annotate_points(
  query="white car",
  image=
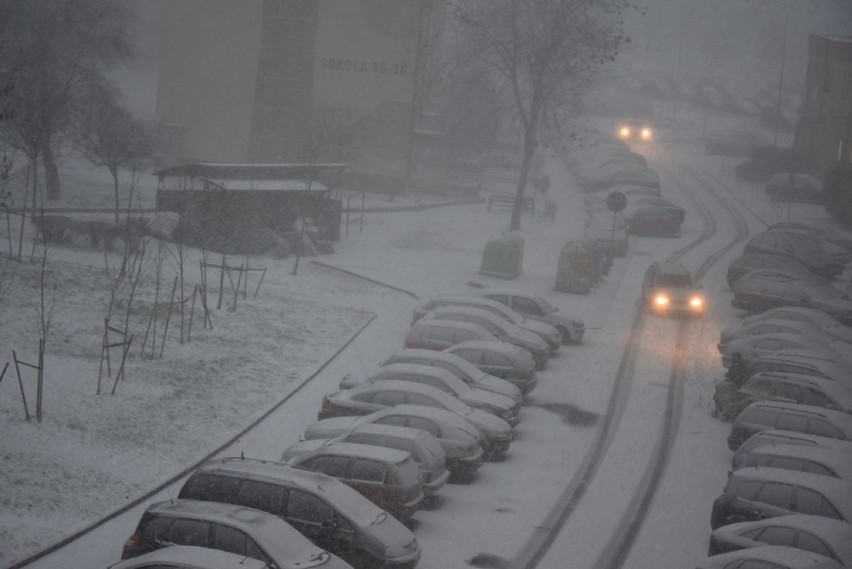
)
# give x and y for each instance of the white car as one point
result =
(535, 307)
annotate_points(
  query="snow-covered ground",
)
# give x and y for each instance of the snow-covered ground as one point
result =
(277, 354)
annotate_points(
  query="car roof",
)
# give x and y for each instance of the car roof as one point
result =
(836, 531)
(780, 436)
(437, 313)
(839, 462)
(395, 431)
(192, 556)
(458, 324)
(357, 450)
(420, 369)
(502, 347)
(783, 556)
(836, 389)
(839, 418)
(673, 269)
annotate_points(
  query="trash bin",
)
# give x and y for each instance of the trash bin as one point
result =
(503, 256)
(578, 268)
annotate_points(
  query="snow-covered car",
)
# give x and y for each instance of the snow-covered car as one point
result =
(441, 334)
(463, 444)
(190, 557)
(762, 415)
(802, 248)
(770, 556)
(635, 130)
(459, 367)
(751, 347)
(501, 329)
(838, 252)
(804, 362)
(775, 326)
(668, 289)
(504, 407)
(535, 307)
(731, 142)
(799, 388)
(653, 216)
(757, 291)
(802, 458)
(365, 399)
(515, 365)
(813, 316)
(818, 534)
(819, 229)
(757, 493)
(784, 263)
(387, 477)
(795, 188)
(787, 437)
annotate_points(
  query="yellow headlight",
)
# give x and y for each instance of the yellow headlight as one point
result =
(645, 133)
(696, 302)
(661, 300)
(624, 132)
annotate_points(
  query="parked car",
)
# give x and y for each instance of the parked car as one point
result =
(325, 510)
(806, 251)
(817, 534)
(649, 216)
(534, 307)
(785, 437)
(463, 443)
(229, 527)
(371, 397)
(802, 362)
(837, 253)
(818, 228)
(770, 557)
(515, 365)
(424, 449)
(799, 388)
(751, 347)
(189, 557)
(668, 288)
(776, 326)
(757, 493)
(545, 330)
(387, 477)
(502, 330)
(762, 415)
(802, 458)
(783, 263)
(459, 367)
(731, 142)
(814, 316)
(499, 405)
(794, 188)
(757, 291)
(833, 243)
(441, 334)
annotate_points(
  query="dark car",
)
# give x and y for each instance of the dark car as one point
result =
(325, 510)
(515, 365)
(760, 290)
(817, 534)
(229, 527)
(757, 493)
(668, 289)
(784, 263)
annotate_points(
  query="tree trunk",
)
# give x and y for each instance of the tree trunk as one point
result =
(51, 173)
(530, 144)
(115, 190)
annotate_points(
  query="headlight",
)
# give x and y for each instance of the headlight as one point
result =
(661, 300)
(624, 132)
(645, 133)
(696, 303)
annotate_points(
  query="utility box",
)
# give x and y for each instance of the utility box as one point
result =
(503, 257)
(579, 267)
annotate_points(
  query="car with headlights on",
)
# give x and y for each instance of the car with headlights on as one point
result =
(460, 367)
(365, 399)
(817, 534)
(534, 307)
(463, 443)
(499, 405)
(331, 514)
(668, 289)
(635, 130)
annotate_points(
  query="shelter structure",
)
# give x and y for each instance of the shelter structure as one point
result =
(248, 208)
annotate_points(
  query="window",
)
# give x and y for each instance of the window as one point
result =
(525, 305)
(748, 490)
(775, 494)
(776, 535)
(812, 396)
(261, 496)
(189, 532)
(228, 539)
(305, 507)
(388, 398)
(463, 336)
(495, 359)
(419, 399)
(825, 429)
(753, 564)
(426, 425)
(398, 420)
(792, 423)
(469, 355)
(368, 471)
(331, 465)
(811, 502)
(810, 542)
(254, 551)
(210, 487)
(789, 391)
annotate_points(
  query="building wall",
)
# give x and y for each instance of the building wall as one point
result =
(208, 68)
(824, 133)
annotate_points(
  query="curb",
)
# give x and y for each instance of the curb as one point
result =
(368, 279)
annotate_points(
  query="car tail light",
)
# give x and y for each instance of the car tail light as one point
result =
(131, 545)
(327, 406)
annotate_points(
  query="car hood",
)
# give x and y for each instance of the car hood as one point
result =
(482, 398)
(540, 328)
(393, 535)
(501, 386)
(329, 428)
(489, 424)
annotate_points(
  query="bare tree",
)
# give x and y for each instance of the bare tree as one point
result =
(109, 136)
(536, 48)
(48, 284)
